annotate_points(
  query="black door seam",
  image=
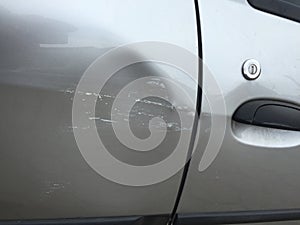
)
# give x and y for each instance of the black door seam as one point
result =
(173, 215)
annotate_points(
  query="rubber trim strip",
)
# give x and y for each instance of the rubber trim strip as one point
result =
(133, 220)
(282, 8)
(242, 217)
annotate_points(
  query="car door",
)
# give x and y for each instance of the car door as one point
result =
(46, 48)
(255, 172)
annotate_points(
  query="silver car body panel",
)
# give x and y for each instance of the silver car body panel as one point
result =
(256, 168)
(47, 45)
(45, 48)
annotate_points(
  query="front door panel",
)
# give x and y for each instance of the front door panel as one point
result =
(257, 167)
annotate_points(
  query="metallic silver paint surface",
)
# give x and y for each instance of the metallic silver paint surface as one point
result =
(45, 48)
(247, 176)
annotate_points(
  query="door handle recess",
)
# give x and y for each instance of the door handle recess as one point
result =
(269, 113)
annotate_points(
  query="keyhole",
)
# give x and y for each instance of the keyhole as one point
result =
(252, 69)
